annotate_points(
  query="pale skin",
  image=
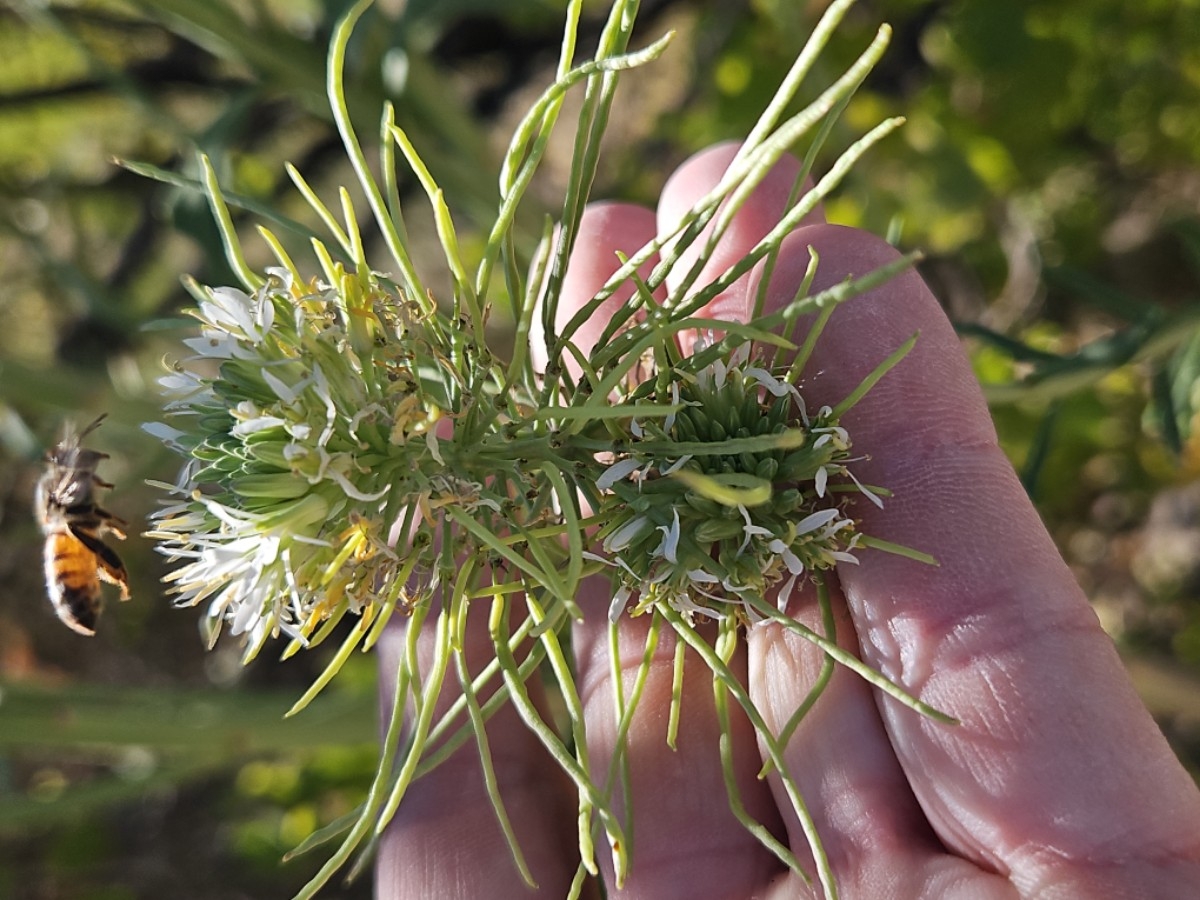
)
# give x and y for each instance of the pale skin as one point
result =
(1056, 784)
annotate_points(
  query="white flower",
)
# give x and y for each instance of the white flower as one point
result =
(773, 385)
(790, 559)
(669, 546)
(238, 314)
(255, 424)
(183, 389)
(750, 530)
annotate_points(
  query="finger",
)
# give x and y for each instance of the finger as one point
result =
(684, 833)
(1057, 767)
(847, 746)
(605, 230)
(762, 211)
(445, 839)
(869, 824)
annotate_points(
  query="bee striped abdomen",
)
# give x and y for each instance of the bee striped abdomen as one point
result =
(72, 582)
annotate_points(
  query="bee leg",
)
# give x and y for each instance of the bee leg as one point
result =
(110, 523)
(111, 568)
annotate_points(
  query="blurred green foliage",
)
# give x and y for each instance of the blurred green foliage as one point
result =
(1049, 168)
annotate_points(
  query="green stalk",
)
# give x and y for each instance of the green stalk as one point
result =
(677, 662)
(458, 616)
(233, 247)
(745, 177)
(829, 627)
(432, 686)
(722, 673)
(574, 709)
(872, 379)
(387, 756)
(726, 644)
(327, 218)
(341, 116)
(800, 69)
(850, 661)
(498, 623)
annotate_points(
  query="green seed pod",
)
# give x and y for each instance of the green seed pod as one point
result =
(716, 431)
(284, 486)
(751, 411)
(749, 461)
(796, 465)
(271, 453)
(701, 504)
(734, 420)
(767, 469)
(717, 530)
(685, 426)
(786, 501)
(781, 409)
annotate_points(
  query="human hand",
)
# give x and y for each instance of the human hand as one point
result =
(1056, 782)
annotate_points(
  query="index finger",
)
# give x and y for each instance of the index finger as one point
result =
(1056, 765)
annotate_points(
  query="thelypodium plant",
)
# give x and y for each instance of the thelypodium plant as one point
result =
(353, 447)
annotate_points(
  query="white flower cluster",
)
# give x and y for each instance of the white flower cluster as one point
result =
(289, 433)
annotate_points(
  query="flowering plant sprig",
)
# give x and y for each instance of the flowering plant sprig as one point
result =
(353, 447)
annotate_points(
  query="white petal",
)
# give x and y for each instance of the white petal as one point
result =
(670, 542)
(878, 501)
(616, 472)
(816, 520)
(793, 563)
(619, 601)
(785, 593)
(771, 384)
(255, 425)
(162, 431)
(282, 391)
(350, 490)
(623, 536)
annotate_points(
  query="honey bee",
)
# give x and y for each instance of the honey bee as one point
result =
(76, 557)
